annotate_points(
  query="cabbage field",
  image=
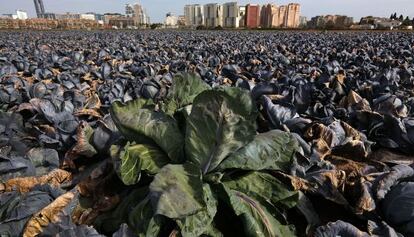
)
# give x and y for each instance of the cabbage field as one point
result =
(206, 133)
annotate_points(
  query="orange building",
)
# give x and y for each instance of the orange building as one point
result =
(282, 16)
(292, 19)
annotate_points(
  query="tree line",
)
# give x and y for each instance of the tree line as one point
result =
(405, 20)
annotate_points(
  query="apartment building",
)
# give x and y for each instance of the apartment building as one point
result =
(213, 14)
(252, 16)
(292, 19)
(231, 15)
(194, 15)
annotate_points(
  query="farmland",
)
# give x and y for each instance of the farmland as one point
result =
(206, 133)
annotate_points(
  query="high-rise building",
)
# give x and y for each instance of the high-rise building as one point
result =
(189, 15)
(137, 13)
(213, 14)
(252, 16)
(194, 15)
(269, 16)
(140, 15)
(292, 19)
(242, 13)
(40, 8)
(231, 15)
(282, 16)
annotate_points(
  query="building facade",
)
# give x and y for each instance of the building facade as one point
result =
(171, 21)
(231, 15)
(181, 21)
(282, 16)
(109, 16)
(242, 13)
(68, 15)
(252, 16)
(40, 8)
(21, 15)
(189, 15)
(140, 15)
(269, 16)
(330, 22)
(49, 15)
(303, 21)
(292, 19)
(213, 14)
(194, 15)
(87, 16)
(121, 22)
(129, 10)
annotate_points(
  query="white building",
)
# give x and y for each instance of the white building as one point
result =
(231, 15)
(194, 15)
(213, 14)
(21, 15)
(171, 21)
(87, 16)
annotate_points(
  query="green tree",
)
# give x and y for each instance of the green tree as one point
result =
(401, 18)
(407, 21)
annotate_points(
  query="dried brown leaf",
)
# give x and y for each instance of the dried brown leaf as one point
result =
(23, 185)
(49, 214)
(88, 112)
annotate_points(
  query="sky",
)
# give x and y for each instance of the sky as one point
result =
(158, 8)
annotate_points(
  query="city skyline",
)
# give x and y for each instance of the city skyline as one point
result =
(157, 9)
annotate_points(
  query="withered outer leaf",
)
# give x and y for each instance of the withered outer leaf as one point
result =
(320, 131)
(83, 146)
(88, 112)
(322, 138)
(49, 214)
(329, 184)
(366, 201)
(93, 102)
(353, 100)
(294, 182)
(23, 185)
(326, 141)
(357, 187)
(349, 166)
